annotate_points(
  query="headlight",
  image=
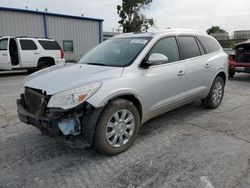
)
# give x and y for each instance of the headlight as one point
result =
(73, 97)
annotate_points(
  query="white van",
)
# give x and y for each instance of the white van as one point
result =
(29, 53)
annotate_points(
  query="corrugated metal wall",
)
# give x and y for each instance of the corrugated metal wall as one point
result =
(21, 24)
(83, 33)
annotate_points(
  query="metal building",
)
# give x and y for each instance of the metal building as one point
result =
(75, 34)
(242, 34)
(221, 36)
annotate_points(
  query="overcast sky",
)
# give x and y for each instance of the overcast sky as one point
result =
(197, 14)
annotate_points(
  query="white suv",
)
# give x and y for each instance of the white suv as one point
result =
(29, 53)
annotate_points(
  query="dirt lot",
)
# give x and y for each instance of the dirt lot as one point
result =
(188, 147)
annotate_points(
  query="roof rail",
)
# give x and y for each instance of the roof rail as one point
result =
(22, 37)
(32, 37)
(180, 30)
(125, 34)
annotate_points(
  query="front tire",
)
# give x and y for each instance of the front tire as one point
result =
(117, 127)
(216, 93)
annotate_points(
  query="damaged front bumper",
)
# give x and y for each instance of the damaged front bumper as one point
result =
(44, 124)
(54, 121)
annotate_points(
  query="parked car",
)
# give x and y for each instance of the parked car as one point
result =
(122, 83)
(29, 53)
(240, 60)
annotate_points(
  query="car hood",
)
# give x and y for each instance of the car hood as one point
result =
(68, 76)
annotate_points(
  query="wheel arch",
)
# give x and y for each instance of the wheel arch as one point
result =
(42, 60)
(223, 75)
(132, 98)
(90, 136)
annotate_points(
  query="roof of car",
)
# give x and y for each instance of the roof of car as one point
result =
(161, 32)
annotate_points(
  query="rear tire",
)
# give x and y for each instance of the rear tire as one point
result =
(44, 65)
(117, 127)
(45, 62)
(216, 93)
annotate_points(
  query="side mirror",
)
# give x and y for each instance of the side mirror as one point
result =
(157, 59)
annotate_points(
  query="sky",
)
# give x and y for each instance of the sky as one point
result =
(194, 14)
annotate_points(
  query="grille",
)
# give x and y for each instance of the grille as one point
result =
(35, 102)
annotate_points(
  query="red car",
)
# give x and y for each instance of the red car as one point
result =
(240, 60)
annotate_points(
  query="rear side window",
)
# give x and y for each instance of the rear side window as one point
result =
(189, 47)
(49, 45)
(27, 44)
(210, 44)
(168, 47)
(200, 47)
(3, 44)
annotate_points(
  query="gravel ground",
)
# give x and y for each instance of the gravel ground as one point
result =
(188, 147)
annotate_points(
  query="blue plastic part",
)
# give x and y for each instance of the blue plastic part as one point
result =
(69, 127)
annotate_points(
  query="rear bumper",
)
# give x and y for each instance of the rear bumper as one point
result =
(59, 61)
(239, 67)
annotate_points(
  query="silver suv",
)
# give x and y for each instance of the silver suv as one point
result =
(122, 83)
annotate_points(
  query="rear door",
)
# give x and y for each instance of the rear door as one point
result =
(197, 67)
(29, 52)
(5, 63)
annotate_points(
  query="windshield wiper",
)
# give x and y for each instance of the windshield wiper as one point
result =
(100, 64)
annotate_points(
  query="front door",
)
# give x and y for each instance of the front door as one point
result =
(5, 63)
(166, 83)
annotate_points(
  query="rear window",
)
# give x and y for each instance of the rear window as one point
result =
(27, 44)
(210, 44)
(49, 45)
(189, 47)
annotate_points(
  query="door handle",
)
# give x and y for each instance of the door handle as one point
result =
(181, 73)
(36, 53)
(208, 65)
(4, 54)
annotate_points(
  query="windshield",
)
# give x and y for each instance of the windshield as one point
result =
(119, 52)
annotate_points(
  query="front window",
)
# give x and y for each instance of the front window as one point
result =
(118, 52)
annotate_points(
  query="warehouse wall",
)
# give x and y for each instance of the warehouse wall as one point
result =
(21, 24)
(83, 33)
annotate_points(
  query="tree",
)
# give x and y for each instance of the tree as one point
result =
(131, 18)
(215, 29)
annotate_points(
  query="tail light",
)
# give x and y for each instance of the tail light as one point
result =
(62, 54)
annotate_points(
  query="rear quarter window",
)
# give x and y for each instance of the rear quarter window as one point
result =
(209, 44)
(49, 45)
(27, 44)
